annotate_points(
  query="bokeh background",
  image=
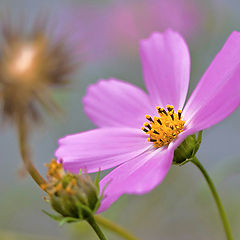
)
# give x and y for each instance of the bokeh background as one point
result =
(106, 32)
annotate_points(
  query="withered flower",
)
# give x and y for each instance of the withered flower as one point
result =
(32, 60)
(74, 196)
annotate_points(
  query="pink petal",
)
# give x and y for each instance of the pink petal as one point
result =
(101, 148)
(218, 92)
(116, 103)
(137, 176)
(166, 67)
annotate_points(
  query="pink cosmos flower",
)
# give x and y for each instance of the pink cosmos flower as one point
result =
(143, 158)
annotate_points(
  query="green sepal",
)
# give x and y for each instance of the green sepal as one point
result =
(97, 180)
(96, 183)
(60, 219)
(68, 220)
(199, 141)
(84, 212)
(54, 217)
(187, 150)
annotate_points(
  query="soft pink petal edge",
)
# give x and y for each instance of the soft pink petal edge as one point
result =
(115, 103)
(100, 148)
(166, 67)
(138, 176)
(217, 94)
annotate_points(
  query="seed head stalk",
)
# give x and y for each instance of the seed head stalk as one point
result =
(25, 152)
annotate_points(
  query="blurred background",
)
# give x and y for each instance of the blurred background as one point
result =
(105, 35)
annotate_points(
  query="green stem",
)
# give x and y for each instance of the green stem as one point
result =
(216, 198)
(115, 228)
(25, 154)
(96, 228)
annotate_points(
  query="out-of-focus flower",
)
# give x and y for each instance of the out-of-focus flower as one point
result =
(73, 196)
(117, 27)
(32, 60)
(133, 20)
(143, 155)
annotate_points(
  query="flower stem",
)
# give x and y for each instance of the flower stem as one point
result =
(25, 154)
(216, 198)
(115, 228)
(96, 228)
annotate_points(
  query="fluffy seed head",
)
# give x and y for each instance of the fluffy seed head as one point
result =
(31, 62)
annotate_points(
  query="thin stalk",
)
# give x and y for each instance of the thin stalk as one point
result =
(96, 228)
(115, 228)
(216, 198)
(25, 153)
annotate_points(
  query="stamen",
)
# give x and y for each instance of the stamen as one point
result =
(151, 140)
(144, 129)
(158, 109)
(179, 114)
(165, 128)
(161, 110)
(148, 117)
(159, 121)
(164, 111)
(148, 126)
(170, 108)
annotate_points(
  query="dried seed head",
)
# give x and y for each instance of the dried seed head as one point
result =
(31, 62)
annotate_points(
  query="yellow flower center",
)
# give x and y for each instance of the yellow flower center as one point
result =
(163, 129)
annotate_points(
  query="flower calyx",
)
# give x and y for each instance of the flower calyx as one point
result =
(187, 150)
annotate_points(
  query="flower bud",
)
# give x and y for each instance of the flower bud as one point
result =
(73, 196)
(187, 149)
